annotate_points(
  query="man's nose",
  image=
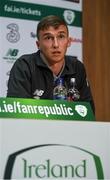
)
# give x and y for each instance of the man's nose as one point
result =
(55, 42)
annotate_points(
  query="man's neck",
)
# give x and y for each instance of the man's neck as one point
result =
(56, 68)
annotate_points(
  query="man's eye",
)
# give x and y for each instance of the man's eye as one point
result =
(61, 36)
(48, 37)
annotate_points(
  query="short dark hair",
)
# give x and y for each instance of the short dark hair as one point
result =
(48, 21)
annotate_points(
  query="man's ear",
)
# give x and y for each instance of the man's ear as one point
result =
(69, 41)
(37, 43)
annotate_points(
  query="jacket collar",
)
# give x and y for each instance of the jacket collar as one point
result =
(69, 64)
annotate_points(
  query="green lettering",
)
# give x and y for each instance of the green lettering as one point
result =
(38, 170)
(48, 168)
(69, 171)
(56, 171)
(25, 168)
(81, 170)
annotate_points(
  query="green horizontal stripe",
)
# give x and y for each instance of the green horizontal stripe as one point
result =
(43, 109)
(23, 10)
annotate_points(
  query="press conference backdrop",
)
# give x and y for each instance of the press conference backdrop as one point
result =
(19, 19)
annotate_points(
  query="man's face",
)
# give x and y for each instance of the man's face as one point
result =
(53, 43)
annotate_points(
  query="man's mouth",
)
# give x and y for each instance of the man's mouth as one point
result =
(56, 52)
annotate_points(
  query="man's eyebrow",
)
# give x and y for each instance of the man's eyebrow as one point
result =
(48, 33)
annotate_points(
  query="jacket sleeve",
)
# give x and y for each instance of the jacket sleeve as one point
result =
(84, 87)
(19, 83)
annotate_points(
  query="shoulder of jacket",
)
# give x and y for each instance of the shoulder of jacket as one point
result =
(25, 62)
(26, 59)
(73, 60)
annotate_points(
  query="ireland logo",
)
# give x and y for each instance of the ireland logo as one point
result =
(81, 110)
(53, 161)
(69, 16)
